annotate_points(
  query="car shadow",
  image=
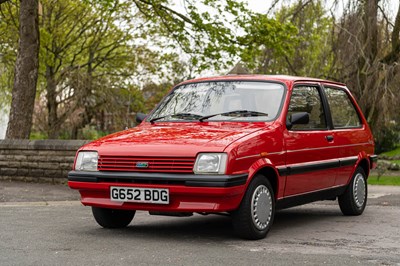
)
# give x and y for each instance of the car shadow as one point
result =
(199, 227)
(304, 216)
(214, 227)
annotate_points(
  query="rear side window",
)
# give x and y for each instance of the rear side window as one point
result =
(308, 99)
(344, 114)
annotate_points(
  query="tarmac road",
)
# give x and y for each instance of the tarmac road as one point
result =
(42, 224)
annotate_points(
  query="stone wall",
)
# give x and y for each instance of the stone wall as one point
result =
(37, 160)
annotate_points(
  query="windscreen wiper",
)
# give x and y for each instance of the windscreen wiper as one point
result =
(236, 113)
(177, 115)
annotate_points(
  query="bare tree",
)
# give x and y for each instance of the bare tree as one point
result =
(367, 51)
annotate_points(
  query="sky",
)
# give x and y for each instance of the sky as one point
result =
(3, 123)
(262, 6)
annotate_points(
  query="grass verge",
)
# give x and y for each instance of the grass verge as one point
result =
(393, 152)
(384, 180)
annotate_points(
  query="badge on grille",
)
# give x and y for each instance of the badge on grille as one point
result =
(142, 165)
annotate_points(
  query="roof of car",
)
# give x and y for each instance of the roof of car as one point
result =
(280, 78)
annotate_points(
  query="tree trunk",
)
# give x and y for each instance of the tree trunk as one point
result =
(370, 34)
(367, 63)
(395, 52)
(52, 105)
(26, 72)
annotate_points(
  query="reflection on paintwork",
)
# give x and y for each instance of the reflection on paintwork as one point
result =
(168, 138)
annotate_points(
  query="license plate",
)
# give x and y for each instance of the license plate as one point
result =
(142, 195)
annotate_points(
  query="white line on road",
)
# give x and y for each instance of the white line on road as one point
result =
(39, 204)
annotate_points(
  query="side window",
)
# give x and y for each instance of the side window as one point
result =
(307, 99)
(343, 113)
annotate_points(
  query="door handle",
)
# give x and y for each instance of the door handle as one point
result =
(329, 138)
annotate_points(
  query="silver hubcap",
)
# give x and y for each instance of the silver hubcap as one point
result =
(359, 190)
(261, 207)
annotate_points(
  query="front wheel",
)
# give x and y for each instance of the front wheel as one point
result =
(254, 217)
(354, 199)
(111, 218)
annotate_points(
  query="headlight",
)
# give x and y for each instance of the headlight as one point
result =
(86, 161)
(210, 163)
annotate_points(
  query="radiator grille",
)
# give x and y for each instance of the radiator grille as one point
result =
(146, 164)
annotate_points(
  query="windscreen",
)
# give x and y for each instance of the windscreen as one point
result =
(222, 101)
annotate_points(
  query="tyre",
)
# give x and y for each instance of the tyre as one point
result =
(354, 199)
(255, 215)
(111, 218)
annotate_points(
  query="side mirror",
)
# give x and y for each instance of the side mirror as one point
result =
(140, 117)
(298, 119)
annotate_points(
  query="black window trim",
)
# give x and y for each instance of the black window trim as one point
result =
(330, 86)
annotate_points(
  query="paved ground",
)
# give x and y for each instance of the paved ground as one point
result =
(42, 224)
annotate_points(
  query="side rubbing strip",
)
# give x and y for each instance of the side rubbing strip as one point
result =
(313, 167)
(283, 171)
(304, 168)
(310, 167)
(348, 161)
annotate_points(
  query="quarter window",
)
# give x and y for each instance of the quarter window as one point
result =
(307, 99)
(344, 115)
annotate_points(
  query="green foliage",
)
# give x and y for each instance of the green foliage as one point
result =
(298, 42)
(215, 32)
(313, 54)
(267, 34)
(88, 61)
(88, 132)
(384, 180)
(6, 83)
(209, 36)
(153, 93)
(99, 59)
(37, 135)
(395, 152)
(8, 51)
(386, 138)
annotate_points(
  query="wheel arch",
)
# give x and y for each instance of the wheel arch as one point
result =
(364, 164)
(270, 173)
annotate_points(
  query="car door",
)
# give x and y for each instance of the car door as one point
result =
(311, 155)
(349, 132)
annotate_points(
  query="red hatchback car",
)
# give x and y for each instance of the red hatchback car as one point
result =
(244, 145)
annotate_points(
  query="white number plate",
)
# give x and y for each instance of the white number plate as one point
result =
(142, 195)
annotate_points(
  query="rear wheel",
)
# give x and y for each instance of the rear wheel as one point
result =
(254, 217)
(111, 218)
(354, 199)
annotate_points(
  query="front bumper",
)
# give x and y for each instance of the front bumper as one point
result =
(188, 193)
(373, 161)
